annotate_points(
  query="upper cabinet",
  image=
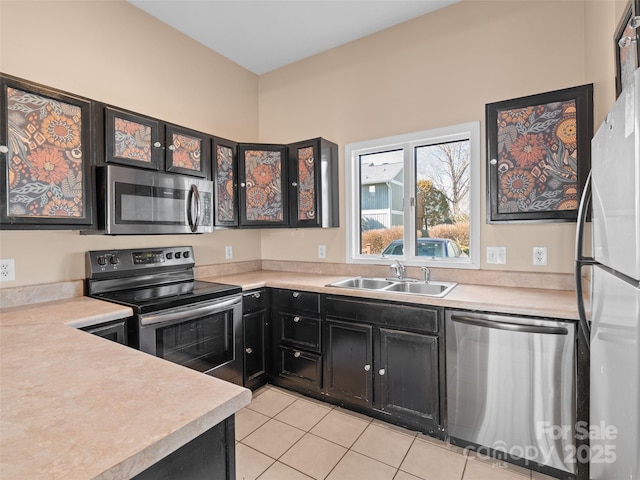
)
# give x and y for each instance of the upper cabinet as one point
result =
(313, 184)
(225, 178)
(140, 141)
(45, 157)
(292, 185)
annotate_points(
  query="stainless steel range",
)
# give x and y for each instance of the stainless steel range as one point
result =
(191, 322)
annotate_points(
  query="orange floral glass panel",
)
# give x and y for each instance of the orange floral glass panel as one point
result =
(306, 184)
(263, 180)
(537, 158)
(132, 140)
(45, 168)
(225, 186)
(186, 152)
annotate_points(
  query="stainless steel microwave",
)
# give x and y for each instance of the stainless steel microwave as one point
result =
(144, 202)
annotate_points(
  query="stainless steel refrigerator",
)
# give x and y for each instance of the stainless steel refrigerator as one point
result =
(614, 429)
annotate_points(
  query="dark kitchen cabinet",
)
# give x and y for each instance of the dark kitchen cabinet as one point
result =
(296, 341)
(46, 152)
(140, 141)
(389, 357)
(225, 179)
(349, 362)
(255, 324)
(313, 184)
(116, 330)
(292, 185)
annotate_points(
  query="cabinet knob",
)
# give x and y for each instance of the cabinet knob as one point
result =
(157, 144)
(243, 184)
(294, 184)
(4, 149)
(493, 161)
(249, 350)
(296, 319)
(381, 371)
(367, 368)
(296, 294)
(172, 147)
(256, 295)
(296, 354)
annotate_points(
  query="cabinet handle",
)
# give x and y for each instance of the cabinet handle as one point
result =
(172, 147)
(249, 350)
(4, 149)
(296, 294)
(294, 184)
(256, 295)
(157, 144)
(296, 354)
(367, 368)
(296, 319)
(381, 371)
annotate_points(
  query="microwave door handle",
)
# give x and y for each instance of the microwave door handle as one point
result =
(194, 208)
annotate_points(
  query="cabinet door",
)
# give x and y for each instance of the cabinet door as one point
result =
(262, 194)
(225, 177)
(407, 376)
(255, 368)
(46, 151)
(349, 362)
(187, 151)
(313, 184)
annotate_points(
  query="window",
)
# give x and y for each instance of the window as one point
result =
(414, 197)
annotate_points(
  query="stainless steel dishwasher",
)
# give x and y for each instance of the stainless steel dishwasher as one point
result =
(511, 388)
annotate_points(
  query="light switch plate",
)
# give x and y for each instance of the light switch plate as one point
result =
(497, 255)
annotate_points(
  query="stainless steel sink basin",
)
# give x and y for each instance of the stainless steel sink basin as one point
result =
(409, 286)
(363, 283)
(432, 289)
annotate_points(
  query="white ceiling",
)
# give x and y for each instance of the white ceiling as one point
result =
(262, 35)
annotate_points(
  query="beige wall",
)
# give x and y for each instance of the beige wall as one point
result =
(438, 70)
(113, 52)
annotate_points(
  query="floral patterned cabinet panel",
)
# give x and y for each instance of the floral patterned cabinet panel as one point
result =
(46, 157)
(225, 178)
(133, 139)
(313, 184)
(187, 151)
(263, 193)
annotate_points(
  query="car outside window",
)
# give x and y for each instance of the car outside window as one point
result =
(415, 197)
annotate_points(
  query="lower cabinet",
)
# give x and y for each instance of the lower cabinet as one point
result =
(255, 323)
(387, 357)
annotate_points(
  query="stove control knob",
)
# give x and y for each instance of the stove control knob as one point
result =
(185, 254)
(169, 255)
(114, 260)
(178, 255)
(102, 260)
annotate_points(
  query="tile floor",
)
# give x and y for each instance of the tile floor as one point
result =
(285, 436)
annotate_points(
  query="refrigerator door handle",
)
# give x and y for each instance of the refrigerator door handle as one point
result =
(581, 260)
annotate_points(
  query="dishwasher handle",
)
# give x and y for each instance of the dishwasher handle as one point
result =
(513, 327)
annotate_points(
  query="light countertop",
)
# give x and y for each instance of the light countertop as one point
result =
(73, 405)
(549, 303)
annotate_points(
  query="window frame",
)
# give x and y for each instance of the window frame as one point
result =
(408, 142)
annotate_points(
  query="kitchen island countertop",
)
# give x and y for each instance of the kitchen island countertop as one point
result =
(74, 405)
(538, 302)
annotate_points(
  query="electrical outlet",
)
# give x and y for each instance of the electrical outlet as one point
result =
(322, 251)
(539, 255)
(7, 269)
(228, 252)
(497, 255)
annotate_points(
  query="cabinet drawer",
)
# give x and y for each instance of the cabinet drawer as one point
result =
(254, 300)
(295, 299)
(302, 367)
(301, 331)
(385, 314)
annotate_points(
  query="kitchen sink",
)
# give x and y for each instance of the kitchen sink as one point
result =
(408, 286)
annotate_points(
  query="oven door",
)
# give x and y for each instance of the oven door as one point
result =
(204, 336)
(146, 202)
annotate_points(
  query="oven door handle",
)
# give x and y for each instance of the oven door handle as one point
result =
(189, 312)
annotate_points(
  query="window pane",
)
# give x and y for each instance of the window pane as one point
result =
(442, 199)
(381, 194)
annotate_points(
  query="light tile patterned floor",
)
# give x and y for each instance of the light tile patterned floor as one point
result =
(284, 436)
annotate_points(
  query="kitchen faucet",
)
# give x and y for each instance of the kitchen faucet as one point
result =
(426, 272)
(399, 269)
